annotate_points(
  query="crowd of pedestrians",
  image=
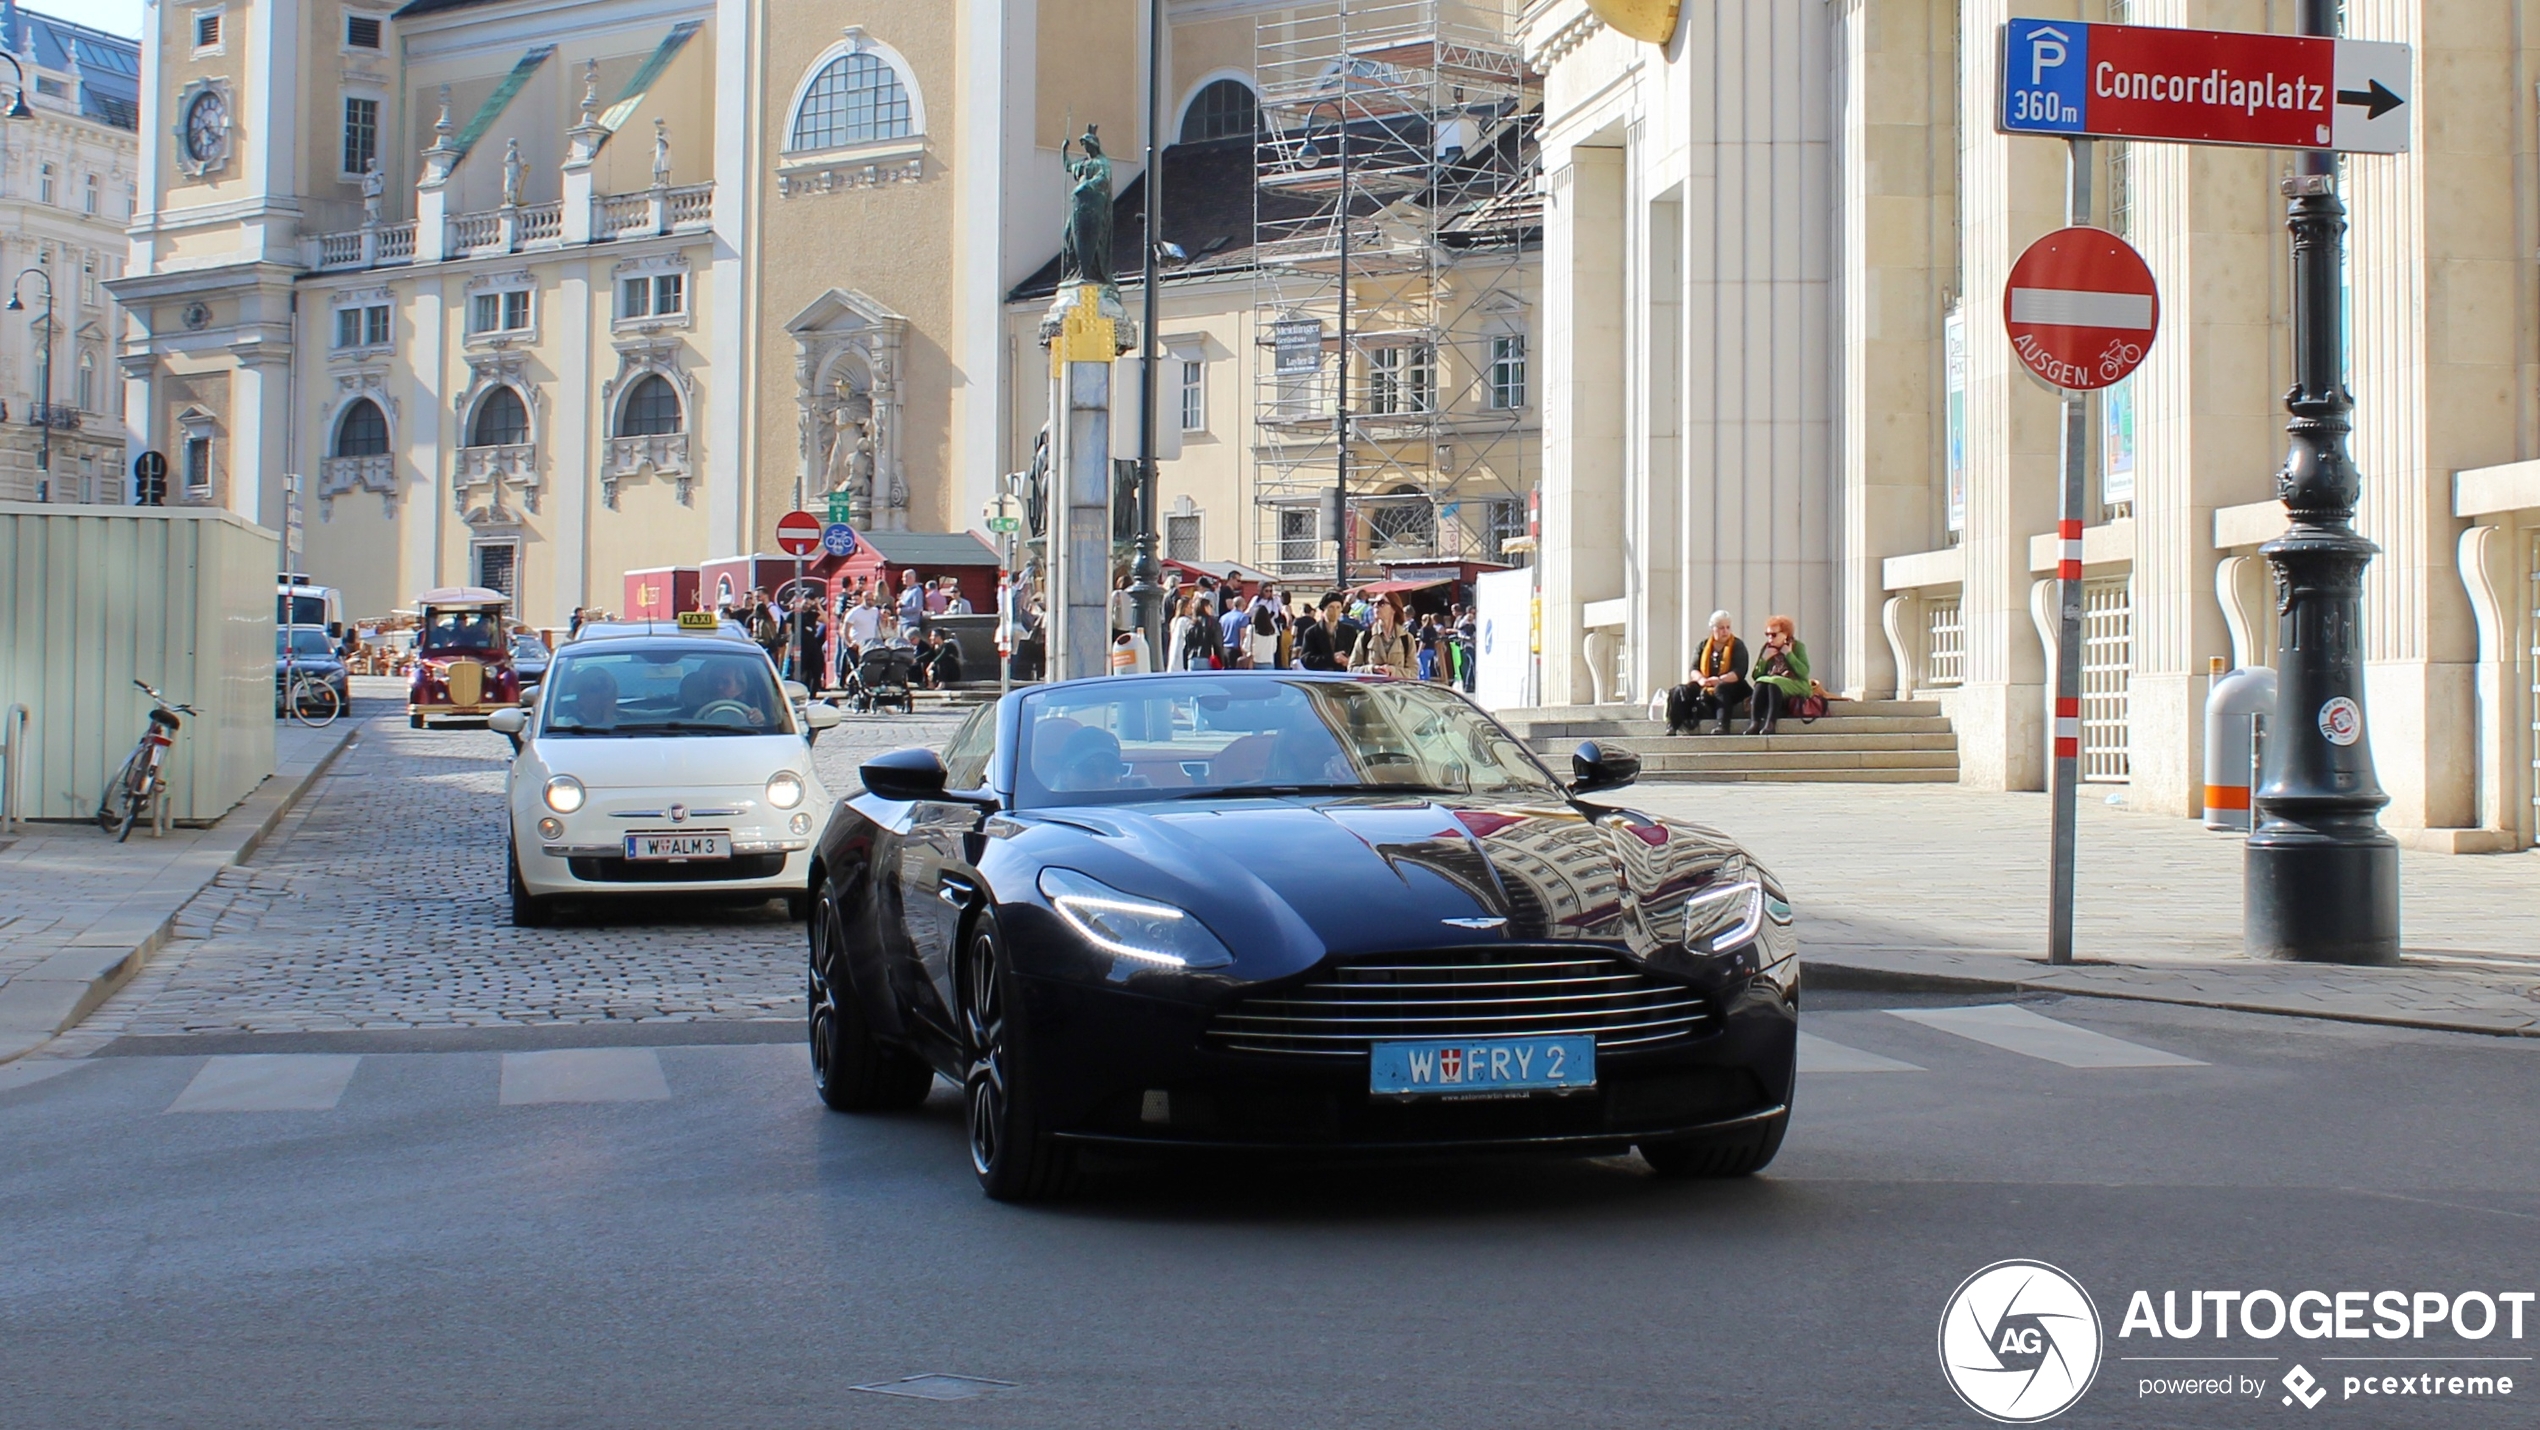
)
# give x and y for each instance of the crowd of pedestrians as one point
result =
(1219, 625)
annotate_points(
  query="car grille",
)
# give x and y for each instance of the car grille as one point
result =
(1498, 992)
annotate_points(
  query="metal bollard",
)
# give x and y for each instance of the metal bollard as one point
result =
(2237, 699)
(12, 764)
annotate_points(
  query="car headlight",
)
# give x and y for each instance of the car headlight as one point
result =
(1135, 928)
(1725, 915)
(784, 789)
(565, 794)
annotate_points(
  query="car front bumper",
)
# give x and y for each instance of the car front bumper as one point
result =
(1102, 1053)
(588, 856)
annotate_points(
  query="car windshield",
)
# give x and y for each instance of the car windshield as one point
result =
(529, 646)
(302, 642)
(652, 690)
(462, 630)
(1178, 738)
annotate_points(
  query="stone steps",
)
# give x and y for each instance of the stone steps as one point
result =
(1865, 742)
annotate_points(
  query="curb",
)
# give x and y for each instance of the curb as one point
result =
(51, 998)
(1859, 978)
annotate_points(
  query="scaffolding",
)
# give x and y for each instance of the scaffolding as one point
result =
(1443, 216)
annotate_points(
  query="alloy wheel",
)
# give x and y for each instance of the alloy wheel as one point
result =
(983, 1019)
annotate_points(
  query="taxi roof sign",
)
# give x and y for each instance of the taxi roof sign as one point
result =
(697, 621)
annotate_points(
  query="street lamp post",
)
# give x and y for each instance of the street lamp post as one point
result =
(44, 403)
(2322, 877)
(17, 104)
(1146, 575)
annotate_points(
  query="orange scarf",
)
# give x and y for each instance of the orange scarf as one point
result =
(1715, 658)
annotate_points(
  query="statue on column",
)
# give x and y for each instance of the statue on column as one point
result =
(1084, 253)
(661, 153)
(512, 167)
(374, 184)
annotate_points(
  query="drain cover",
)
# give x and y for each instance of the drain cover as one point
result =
(937, 1387)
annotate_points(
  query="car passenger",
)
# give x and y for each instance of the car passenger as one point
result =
(720, 683)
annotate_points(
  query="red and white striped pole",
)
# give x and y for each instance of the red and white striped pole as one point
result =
(2066, 784)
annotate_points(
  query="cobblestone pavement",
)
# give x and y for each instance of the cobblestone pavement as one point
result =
(380, 904)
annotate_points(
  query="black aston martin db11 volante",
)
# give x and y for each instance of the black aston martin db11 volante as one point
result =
(1278, 911)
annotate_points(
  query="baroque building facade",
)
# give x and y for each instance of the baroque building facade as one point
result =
(532, 293)
(1776, 381)
(68, 185)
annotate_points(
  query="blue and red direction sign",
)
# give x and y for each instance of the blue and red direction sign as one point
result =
(2081, 309)
(2069, 79)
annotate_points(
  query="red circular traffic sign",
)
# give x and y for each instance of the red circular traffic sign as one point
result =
(798, 532)
(2081, 308)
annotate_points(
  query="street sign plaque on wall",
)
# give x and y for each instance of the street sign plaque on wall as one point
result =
(2070, 80)
(2081, 309)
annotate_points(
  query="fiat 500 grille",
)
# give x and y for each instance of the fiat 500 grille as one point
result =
(1341, 1009)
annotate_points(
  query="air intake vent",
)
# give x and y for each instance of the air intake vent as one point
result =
(1495, 992)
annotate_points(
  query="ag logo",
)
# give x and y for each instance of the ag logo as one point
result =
(2019, 1342)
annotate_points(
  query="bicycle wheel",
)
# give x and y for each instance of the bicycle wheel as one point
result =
(111, 800)
(314, 703)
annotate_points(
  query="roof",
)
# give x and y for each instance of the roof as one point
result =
(108, 65)
(1208, 210)
(462, 596)
(435, 7)
(929, 548)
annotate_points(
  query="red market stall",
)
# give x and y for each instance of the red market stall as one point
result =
(886, 555)
(660, 593)
(729, 580)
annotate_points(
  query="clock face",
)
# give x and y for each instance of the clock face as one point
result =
(205, 119)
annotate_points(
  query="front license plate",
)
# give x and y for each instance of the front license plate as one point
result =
(1470, 1067)
(716, 845)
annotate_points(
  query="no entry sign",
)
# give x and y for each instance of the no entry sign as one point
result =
(798, 533)
(2081, 308)
(2065, 78)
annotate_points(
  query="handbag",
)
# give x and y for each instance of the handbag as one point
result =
(1808, 707)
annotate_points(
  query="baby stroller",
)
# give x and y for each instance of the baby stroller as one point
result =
(879, 679)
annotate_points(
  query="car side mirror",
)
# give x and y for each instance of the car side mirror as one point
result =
(1595, 765)
(508, 722)
(905, 775)
(796, 691)
(822, 715)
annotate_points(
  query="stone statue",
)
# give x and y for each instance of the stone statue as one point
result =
(512, 167)
(1084, 253)
(590, 93)
(661, 153)
(1036, 487)
(373, 185)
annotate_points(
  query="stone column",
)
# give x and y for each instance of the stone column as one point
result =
(1084, 334)
(1898, 210)
(2012, 192)
(577, 448)
(1584, 382)
(1653, 556)
(257, 422)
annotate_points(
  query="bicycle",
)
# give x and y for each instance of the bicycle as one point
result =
(310, 700)
(137, 786)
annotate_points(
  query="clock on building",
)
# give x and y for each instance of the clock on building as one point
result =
(206, 122)
(202, 127)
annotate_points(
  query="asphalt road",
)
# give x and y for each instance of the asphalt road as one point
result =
(457, 1228)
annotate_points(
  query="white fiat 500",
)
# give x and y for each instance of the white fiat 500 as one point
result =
(658, 765)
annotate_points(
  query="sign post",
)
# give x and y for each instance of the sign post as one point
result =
(2321, 881)
(2081, 311)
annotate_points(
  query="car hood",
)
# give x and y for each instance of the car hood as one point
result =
(1369, 875)
(697, 761)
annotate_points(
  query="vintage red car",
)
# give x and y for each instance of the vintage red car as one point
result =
(463, 656)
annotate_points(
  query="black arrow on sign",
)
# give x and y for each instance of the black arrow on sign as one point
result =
(2376, 101)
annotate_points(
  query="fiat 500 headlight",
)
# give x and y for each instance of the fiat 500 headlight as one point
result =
(784, 789)
(1131, 927)
(565, 794)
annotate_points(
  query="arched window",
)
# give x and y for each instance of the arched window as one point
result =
(502, 420)
(363, 430)
(1224, 109)
(651, 410)
(854, 98)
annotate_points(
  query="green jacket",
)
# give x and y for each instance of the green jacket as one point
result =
(1788, 674)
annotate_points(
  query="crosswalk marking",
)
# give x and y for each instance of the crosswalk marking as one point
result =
(27, 1072)
(2015, 1029)
(1820, 1055)
(583, 1075)
(268, 1082)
